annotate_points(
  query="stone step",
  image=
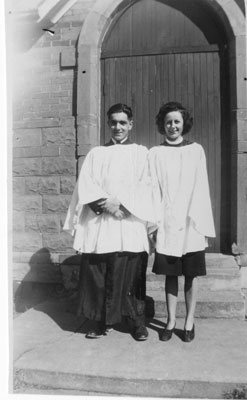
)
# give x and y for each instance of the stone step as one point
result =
(214, 262)
(206, 283)
(222, 274)
(220, 304)
(211, 269)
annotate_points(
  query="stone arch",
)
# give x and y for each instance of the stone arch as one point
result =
(91, 37)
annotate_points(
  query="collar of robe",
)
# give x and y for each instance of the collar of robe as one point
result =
(181, 144)
(112, 142)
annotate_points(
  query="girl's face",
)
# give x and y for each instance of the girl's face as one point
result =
(173, 124)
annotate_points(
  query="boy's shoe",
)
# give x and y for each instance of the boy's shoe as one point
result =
(99, 330)
(108, 328)
(96, 332)
(140, 333)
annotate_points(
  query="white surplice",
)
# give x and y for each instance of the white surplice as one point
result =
(179, 175)
(119, 171)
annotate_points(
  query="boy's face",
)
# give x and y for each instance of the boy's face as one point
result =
(120, 126)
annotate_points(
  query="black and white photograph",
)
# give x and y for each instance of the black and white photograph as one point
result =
(126, 132)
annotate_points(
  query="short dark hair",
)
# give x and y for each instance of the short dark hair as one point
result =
(118, 108)
(169, 107)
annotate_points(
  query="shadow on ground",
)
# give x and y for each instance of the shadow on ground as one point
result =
(52, 288)
(45, 281)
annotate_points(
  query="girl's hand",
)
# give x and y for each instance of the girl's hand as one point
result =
(152, 241)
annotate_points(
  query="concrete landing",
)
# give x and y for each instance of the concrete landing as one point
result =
(51, 354)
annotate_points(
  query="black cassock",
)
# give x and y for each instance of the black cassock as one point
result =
(113, 285)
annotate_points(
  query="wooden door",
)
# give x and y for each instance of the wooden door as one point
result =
(146, 75)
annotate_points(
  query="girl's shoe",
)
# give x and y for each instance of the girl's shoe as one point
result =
(189, 335)
(166, 334)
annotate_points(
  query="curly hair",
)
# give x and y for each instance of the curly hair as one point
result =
(169, 107)
(118, 108)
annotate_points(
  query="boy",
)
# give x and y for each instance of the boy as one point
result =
(111, 214)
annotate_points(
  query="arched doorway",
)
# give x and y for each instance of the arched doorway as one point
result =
(219, 15)
(156, 52)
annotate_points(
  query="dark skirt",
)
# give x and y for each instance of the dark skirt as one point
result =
(112, 285)
(191, 264)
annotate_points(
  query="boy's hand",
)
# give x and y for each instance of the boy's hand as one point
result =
(114, 207)
(119, 214)
(111, 205)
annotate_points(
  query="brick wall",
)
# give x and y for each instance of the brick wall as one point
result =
(44, 149)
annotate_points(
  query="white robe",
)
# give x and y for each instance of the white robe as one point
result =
(119, 171)
(180, 179)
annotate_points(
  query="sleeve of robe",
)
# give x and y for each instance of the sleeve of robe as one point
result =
(200, 210)
(137, 198)
(87, 190)
(156, 189)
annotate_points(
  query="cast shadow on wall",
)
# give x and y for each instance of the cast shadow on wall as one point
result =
(52, 288)
(49, 287)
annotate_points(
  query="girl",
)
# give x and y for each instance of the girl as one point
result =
(178, 169)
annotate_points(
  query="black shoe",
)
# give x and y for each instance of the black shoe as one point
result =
(189, 335)
(166, 334)
(140, 333)
(94, 334)
(108, 329)
(97, 332)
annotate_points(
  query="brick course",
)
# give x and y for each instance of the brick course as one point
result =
(67, 184)
(42, 223)
(42, 185)
(24, 166)
(18, 221)
(58, 165)
(27, 241)
(27, 138)
(25, 152)
(18, 185)
(56, 204)
(28, 203)
(57, 242)
(58, 136)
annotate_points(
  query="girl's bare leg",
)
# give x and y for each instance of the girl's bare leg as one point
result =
(190, 294)
(171, 300)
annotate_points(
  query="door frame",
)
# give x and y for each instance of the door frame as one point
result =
(88, 120)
